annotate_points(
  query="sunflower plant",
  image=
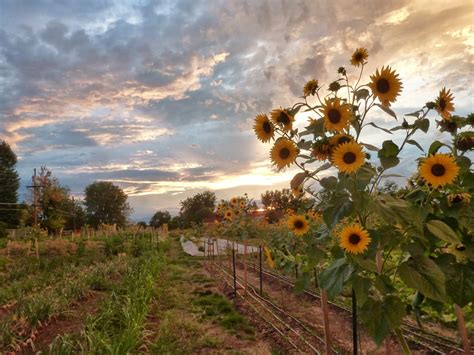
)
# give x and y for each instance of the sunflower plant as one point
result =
(372, 241)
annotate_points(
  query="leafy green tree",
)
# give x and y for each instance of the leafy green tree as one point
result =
(160, 218)
(176, 222)
(74, 214)
(51, 201)
(9, 185)
(106, 203)
(276, 202)
(196, 208)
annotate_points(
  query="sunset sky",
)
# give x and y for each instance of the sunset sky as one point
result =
(159, 96)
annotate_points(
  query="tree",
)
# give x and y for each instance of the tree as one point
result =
(106, 204)
(276, 202)
(142, 224)
(51, 201)
(198, 207)
(74, 213)
(9, 185)
(176, 222)
(160, 218)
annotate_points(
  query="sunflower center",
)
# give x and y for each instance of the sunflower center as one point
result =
(442, 104)
(358, 56)
(334, 116)
(284, 118)
(299, 224)
(438, 170)
(349, 158)
(457, 199)
(284, 153)
(354, 239)
(267, 128)
(383, 86)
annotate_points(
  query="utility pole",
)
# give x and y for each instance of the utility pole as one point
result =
(35, 188)
(74, 212)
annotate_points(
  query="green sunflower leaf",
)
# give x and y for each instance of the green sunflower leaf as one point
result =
(335, 275)
(381, 128)
(387, 110)
(434, 147)
(415, 143)
(422, 274)
(442, 231)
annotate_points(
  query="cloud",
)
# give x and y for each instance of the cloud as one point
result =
(159, 96)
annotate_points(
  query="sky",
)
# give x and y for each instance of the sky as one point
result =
(159, 97)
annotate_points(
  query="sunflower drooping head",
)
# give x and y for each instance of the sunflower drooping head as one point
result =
(354, 239)
(298, 225)
(282, 119)
(283, 153)
(458, 198)
(310, 88)
(439, 170)
(444, 104)
(348, 157)
(465, 141)
(263, 128)
(359, 57)
(385, 85)
(337, 115)
(322, 149)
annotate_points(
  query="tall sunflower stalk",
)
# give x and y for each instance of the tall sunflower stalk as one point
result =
(373, 240)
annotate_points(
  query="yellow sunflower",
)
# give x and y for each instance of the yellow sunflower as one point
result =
(298, 225)
(459, 197)
(385, 85)
(297, 191)
(268, 257)
(337, 115)
(263, 128)
(354, 239)
(444, 104)
(310, 88)
(242, 204)
(348, 157)
(340, 138)
(283, 153)
(229, 214)
(315, 216)
(283, 119)
(439, 169)
(234, 201)
(359, 57)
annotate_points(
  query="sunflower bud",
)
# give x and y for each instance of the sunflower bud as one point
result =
(405, 124)
(334, 86)
(431, 105)
(342, 71)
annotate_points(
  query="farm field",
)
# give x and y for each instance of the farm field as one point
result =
(143, 294)
(142, 297)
